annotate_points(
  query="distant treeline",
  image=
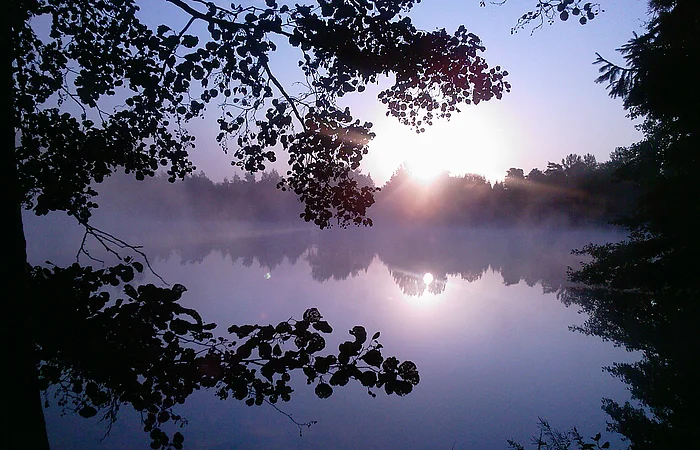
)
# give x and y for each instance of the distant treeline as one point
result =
(577, 191)
(199, 198)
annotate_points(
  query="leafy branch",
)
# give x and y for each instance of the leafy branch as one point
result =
(94, 365)
(550, 438)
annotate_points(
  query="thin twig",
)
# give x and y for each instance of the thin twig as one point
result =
(300, 425)
(107, 241)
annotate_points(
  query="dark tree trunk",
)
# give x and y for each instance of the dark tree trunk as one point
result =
(22, 415)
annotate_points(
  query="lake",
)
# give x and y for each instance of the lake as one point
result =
(489, 336)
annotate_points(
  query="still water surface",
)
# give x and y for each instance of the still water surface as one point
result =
(488, 334)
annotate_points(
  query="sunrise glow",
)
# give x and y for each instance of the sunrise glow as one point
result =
(469, 143)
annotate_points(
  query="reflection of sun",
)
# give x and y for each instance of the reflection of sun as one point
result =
(418, 288)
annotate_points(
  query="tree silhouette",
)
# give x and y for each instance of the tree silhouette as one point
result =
(169, 352)
(551, 438)
(643, 293)
(91, 89)
(660, 324)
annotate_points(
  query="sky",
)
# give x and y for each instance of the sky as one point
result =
(553, 109)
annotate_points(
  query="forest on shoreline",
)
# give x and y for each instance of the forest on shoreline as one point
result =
(578, 191)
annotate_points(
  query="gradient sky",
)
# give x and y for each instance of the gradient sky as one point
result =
(554, 108)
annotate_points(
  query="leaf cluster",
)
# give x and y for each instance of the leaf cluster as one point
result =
(551, 11)
(97, 351)
(156, 80)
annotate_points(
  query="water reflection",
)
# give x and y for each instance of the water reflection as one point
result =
(493, 353)
(417, 284)
(537, 257)
(663, 326)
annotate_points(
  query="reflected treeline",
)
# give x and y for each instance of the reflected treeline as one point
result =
(416, 284)
(340, 255)
(641, 311)
(535, 256)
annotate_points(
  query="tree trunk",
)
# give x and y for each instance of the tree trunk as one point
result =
(22, 415)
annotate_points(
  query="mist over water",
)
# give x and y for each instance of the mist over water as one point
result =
(486, 330)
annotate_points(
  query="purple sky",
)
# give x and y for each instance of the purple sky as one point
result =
(554, 109)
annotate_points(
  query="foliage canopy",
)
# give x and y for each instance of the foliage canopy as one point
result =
(96, 53)
(95, 89)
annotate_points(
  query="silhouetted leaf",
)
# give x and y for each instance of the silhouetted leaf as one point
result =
(315, 343)
(265, 350)
(368, 378)
(241, 331)
(322, 364)
(323, 326)
(373, 358)
(409, 372)
(87, 411)
(360, 334)
(190, 41)
(340, 378)
(312, 315)
(323, 390)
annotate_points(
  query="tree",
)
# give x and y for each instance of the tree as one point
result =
(62, 83)
(515, 175)
(641, 292)
(551, 438)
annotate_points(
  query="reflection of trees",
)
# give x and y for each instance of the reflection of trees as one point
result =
(268, 247)
(410, 253)
(340, 255)
(533, 256)
(413, 284)
(663, 325)
(269, 250)
(98, 353)
(519, 255)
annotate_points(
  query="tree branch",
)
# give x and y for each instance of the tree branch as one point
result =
(284, 93)
(300, 425)
(108, 240)
(206, 17)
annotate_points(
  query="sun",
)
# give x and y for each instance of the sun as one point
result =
(469, 143)
(423, 167)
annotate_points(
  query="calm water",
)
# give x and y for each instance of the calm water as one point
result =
(488, 335)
